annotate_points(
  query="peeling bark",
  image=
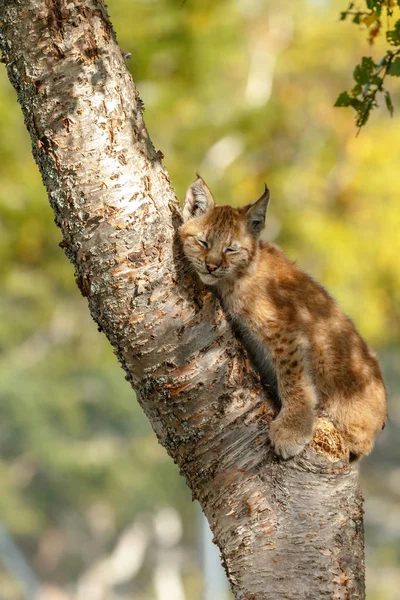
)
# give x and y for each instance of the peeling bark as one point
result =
(286, 530)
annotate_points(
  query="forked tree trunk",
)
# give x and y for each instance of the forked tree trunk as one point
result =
(286, 530)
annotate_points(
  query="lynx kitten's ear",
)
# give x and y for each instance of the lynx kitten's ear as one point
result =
(198, 200)
(255, 213)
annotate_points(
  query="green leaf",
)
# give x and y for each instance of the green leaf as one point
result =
(357, 19)
(343, 16)
(374, 4)
(363, 114)
(393, 35)
(394, 68)
(357, 89)
(362, 73)
(343, 100)
(375, 80)
(356, 104)
(389, 103)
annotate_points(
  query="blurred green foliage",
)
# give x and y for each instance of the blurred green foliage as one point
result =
(370, 76)
(241, 91)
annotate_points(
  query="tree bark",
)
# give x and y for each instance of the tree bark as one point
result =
(286, 530)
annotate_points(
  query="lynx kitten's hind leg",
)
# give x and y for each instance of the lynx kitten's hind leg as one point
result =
(360, 418)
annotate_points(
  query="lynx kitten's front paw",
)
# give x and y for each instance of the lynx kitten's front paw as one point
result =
(289, 438)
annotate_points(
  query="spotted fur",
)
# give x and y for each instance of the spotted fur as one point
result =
(320, 362)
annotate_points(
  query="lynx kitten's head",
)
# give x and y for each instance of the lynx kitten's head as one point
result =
(220, 241)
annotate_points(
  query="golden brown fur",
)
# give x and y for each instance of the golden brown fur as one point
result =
(319, 357)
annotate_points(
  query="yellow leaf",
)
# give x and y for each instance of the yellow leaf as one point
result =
(368, 20)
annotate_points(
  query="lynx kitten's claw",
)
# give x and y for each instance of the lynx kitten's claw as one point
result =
(287, 440)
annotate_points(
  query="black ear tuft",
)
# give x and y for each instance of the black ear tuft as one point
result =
(255, 213)
(198, 200)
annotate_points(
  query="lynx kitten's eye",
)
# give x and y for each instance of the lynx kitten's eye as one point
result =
(203, 242)
(231, 249)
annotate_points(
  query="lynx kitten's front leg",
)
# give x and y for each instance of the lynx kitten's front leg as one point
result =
(293, 429)
(290, 434)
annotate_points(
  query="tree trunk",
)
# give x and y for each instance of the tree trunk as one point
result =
(286, 530)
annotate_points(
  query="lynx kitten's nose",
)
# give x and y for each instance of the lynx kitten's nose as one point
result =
(211, 267)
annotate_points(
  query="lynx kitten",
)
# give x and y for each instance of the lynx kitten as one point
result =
(319, 358)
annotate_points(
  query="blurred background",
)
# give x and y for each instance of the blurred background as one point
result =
(91, 507)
